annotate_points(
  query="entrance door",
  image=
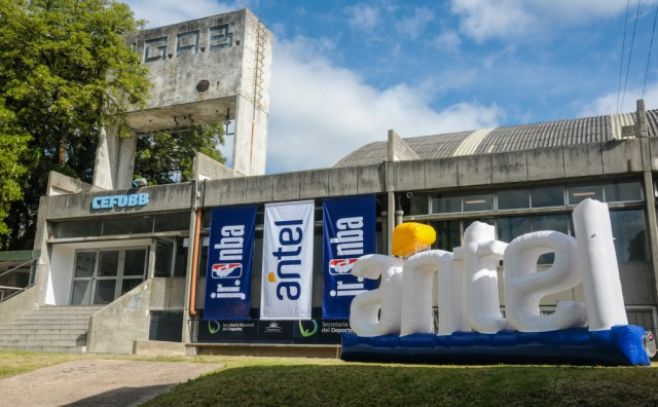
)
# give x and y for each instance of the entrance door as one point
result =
(101, 276)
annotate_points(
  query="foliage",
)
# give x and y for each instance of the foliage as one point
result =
(13, 148)
(166, 156)
(64, 66)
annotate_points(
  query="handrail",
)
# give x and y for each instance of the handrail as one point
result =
(4, 273)
(17, 290)
(195, 263)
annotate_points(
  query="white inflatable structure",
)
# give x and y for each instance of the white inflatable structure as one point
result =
(378, 311)
(468, 296)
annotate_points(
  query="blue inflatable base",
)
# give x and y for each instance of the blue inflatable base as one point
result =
(621, 345)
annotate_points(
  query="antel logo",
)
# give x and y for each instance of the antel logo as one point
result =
(226, 270)
(341, 266)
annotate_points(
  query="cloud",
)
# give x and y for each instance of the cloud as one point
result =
(515, 19)
(446, 41)
(607, 103)
(320, 112)
(363, 17)
(163, 12)
(413, 25)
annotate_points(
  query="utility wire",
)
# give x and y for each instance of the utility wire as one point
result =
(623, 49)
(630, 52)
(646, 71)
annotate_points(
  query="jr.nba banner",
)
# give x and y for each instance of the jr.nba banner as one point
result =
(228, 273)
(287, 281)
(349, 233)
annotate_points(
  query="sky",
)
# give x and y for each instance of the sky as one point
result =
(345, 72)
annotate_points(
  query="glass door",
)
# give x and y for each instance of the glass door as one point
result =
(101, 276)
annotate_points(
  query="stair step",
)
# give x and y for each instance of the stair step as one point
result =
(35, 330)
(51, 320)
(45, 348)
(43, 336)
(50, 328)
(19, 343)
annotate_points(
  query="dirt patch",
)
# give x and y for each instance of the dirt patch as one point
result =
(98, 382)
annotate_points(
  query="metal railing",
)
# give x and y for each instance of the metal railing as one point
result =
(8, 291)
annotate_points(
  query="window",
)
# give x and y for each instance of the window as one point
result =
(448, 234)
(419, 204)
(547, 196)
(124, 225)
(629, 232)
(446, 204)
(513, 199)
(479, 202)
(578, 194)
(128, 225)
(623, 192)
(78, 228)
(172, 222)
(510, 228)
(101, 276)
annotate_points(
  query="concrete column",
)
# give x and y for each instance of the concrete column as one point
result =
(115, 159)
(42, 268)
(250, 140)
(126, 162)
(649, 191)
(107, 155)
(390, 221)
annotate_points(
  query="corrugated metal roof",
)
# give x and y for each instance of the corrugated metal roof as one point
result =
(508, 139)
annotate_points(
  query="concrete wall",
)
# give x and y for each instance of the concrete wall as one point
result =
(206, 168)
(186, 54)
(594, 160)
(18, 305)
(161, 198)
(116, 327)
(168, 293)
(60, 184)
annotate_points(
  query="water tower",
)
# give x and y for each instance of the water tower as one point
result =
(209, 70)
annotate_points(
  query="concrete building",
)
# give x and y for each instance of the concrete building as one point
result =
(130, 269)
(130, 278)
(211, 70)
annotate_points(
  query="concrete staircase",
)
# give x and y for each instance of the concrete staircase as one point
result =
(49, 328)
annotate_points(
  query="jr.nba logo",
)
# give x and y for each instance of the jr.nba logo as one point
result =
(341, 266)
(227, 270)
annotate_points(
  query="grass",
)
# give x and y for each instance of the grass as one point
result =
(13, 362)
(310, 382)
(258, 381)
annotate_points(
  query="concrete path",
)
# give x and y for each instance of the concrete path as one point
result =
(97, 383)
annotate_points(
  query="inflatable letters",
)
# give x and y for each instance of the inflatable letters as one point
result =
(401, 309)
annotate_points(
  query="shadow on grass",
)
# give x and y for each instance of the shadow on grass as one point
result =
(123, 396)
(394, 385)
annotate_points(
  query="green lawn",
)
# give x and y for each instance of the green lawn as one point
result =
(13, 362)
(261, 381)
(292, 382)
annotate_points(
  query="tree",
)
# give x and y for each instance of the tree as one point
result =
(64, 68)
(13, 149)
(166, 156)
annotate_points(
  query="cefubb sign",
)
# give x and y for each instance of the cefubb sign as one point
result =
(468, 299)
(120, 201)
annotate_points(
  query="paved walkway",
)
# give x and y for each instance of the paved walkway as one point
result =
(97, 383)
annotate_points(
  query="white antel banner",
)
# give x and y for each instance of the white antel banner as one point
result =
(287, 278)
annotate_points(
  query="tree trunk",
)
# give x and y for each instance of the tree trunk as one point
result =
(61, 150)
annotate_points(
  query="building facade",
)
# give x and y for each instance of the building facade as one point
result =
(138, 256)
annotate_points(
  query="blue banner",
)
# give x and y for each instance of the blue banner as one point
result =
(228, 273)
(349, 233)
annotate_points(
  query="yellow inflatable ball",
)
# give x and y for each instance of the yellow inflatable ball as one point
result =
(411, 237)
